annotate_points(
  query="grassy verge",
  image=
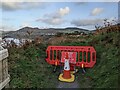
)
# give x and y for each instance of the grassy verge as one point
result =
(27, 68)
(105, 72)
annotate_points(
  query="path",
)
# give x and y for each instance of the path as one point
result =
(68, 85)
(80, 82)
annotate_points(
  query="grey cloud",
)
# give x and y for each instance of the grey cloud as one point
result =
(51, 21)
(86, 22)
(80, 3)
(7, 28)
(12, 6)
(56, 17)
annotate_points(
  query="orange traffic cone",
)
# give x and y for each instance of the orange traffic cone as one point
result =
(66, 76)
(66, 72)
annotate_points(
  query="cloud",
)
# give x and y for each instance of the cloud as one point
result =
(25, 24)
(21, 0)
(56, 17)
(60, 1)
(80, 3)
(86, 22)
(97, 11)
(63, 11)
(60, 13)
(113, 20)
(12, 6)
(7, 28)
(90, 22)
(52, 21)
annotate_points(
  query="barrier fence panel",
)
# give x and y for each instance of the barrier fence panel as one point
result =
(85, 55)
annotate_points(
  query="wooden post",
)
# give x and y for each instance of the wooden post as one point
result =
(4, 76)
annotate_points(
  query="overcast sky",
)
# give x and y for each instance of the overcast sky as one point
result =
(15, 15)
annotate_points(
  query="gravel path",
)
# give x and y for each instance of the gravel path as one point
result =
(68, 85)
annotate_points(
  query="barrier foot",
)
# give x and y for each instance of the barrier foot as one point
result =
(73, 72)
(55, 69)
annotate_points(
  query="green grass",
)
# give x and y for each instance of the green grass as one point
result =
(27, 67)
(74, 44)
(105, 72)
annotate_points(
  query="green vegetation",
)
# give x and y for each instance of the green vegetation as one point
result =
(105, 73)
(27, 66)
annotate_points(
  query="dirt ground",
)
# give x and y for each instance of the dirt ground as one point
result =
(68, 85)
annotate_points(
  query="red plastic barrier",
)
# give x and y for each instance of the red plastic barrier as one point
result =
(85, 55)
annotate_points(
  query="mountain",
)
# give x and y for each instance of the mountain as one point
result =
(27, 28)
(23, 32)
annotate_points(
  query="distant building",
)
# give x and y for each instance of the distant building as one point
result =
(50, 34)
(7, 41)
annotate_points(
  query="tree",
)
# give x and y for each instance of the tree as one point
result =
(76, 32)
(59, 34)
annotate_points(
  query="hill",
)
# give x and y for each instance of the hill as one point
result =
(23, 32)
